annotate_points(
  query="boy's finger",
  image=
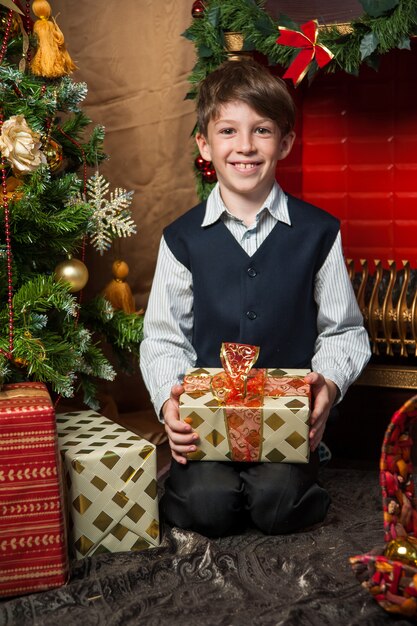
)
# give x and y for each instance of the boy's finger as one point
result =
(319, 409)
(177, 426)
(176, 391)
(179, 458)
(179, 452)
(182, 439)
(183, 449)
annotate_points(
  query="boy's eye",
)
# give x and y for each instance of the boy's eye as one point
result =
(262, 130)
(227, 131)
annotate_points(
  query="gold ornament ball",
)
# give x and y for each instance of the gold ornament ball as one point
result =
(74, 272)
(54, 154)
(402, 549)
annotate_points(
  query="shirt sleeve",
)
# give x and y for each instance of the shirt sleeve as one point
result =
(166, 351)
(342, 347)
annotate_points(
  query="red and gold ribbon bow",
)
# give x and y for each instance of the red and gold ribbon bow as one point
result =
(310, 49)
(236, 383)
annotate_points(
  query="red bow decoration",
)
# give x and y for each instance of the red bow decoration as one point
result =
(236, 382)
(310, 49)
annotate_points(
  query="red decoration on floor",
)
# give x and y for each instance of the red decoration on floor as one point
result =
(390, 575)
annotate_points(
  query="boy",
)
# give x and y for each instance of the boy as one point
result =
(253, 266)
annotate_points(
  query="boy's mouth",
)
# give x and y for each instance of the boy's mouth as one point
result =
(245, 166)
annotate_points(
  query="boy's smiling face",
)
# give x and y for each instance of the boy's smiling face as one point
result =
(244, 147)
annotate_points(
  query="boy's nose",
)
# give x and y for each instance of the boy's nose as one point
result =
(246, 143)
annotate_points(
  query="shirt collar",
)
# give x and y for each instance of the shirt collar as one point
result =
(276, 203)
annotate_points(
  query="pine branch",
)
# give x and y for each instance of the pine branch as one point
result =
(49, 219)
(123, 331)
(41, 294)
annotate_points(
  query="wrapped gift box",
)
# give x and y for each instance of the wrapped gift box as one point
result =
(111, 485)
(33, 550)
(271, 427)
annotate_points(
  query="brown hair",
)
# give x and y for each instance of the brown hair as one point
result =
(245, 81)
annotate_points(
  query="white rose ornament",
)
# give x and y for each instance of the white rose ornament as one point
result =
(20, 145)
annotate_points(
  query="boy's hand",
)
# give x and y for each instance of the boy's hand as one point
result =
(180, 435)
(324, 392)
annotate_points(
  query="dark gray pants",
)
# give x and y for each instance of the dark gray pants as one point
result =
(216, 499)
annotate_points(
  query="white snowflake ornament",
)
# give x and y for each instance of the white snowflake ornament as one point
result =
(111, 217)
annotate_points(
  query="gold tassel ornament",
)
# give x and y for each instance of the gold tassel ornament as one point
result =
(118, 292)
(51, 59)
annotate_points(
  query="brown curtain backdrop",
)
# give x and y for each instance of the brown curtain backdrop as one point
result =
(135, 63)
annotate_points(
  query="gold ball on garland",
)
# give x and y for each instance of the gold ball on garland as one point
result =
(74, 272)
(54, 154)
(20, 362)
(198, 8)
(12, 188)
(402, 549)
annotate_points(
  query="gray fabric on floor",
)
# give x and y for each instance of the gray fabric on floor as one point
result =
(303, 579)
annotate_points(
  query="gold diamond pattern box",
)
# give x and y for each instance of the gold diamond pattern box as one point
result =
(111, 485)
(272, 426)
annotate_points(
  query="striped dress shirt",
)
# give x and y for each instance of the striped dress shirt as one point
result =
(166, 352)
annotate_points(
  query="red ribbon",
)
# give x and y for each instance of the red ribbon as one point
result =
(234, 383)
(310, 49)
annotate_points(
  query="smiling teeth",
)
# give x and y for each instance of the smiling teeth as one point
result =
(245, 166)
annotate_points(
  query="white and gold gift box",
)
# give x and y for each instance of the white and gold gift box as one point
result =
(111, 485)
(274, 430)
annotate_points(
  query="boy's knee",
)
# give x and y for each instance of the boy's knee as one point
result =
(286, 511)
(215, 510)
(212, 507)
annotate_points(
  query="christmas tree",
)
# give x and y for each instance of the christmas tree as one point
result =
(55, 203)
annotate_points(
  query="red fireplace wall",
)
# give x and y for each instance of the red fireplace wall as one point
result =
(356, 156)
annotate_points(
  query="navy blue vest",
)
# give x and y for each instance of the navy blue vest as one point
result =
(267, 299)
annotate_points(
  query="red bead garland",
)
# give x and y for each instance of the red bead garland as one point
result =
(6, 35)
(27, 17)
(28, 27)
(7, 353)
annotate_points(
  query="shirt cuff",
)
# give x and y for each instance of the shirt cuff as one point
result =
(338, 380)
(162, 395)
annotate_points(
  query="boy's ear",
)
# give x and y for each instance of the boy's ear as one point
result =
(203, 146)
(286, 145)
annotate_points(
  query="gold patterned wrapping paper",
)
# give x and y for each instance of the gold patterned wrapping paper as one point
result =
(274, 429)
(111, 485)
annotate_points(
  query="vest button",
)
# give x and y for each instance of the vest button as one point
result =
(251, 315)
(252, 272)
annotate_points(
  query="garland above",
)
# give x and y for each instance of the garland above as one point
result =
(232, 29)
(385, 25)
